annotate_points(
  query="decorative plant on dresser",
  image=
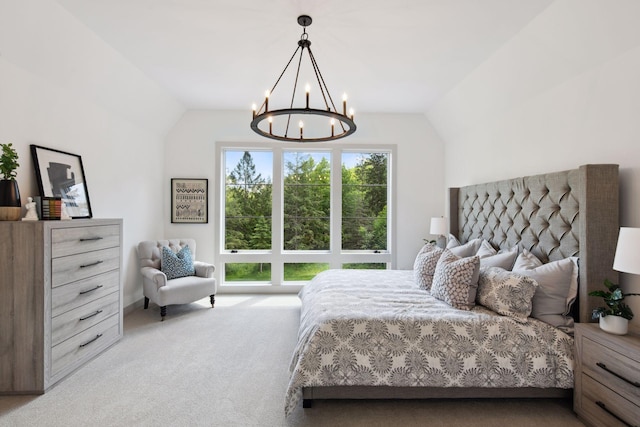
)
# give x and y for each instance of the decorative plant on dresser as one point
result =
(10, 205)
(61, 303)
(614, 317)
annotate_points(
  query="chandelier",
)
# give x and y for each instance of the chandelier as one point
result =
(327, 124)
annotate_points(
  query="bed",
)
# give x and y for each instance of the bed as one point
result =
(378, 334)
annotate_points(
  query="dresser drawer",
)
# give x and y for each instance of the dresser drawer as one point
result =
(69, 241)
(75, 321)
(72, 295)
(603, 407)
(609, 367)
(80, 266)
(71, 353)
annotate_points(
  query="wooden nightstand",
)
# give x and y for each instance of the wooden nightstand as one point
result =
(607, 376)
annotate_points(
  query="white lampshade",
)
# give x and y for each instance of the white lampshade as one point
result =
(438, 226)
(627, 259)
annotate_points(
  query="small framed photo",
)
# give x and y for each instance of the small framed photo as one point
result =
(61, 174)
(189, 200)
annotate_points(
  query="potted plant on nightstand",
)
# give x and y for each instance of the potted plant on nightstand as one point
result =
(10, 206)
(614, 318)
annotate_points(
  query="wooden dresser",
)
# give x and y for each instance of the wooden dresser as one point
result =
(60, 298)
(607, 376)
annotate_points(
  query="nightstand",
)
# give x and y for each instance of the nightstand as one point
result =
(607, 376)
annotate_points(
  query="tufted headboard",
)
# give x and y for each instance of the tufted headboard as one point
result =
(554, 215)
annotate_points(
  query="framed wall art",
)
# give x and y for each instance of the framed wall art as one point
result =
(61, 174)
(189, 203)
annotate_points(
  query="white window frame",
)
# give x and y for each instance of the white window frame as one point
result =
(277, 256)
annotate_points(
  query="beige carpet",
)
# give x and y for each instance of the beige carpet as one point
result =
(228, 366)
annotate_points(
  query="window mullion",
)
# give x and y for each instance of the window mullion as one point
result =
(277, 211)
(336, 208)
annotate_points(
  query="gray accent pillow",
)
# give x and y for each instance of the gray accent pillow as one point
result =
(425, 265)
(506, 292)
(455, 280)
(557, 288)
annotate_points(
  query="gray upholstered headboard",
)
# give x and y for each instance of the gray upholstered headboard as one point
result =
(554, 215)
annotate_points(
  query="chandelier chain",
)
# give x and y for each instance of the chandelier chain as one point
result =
(295, 85)
(320, 78)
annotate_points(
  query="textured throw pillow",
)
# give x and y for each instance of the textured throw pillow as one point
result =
(455, 280)
(425, 266)
(557, 288)
(426, 248)
(506, 292)
(178, 264)
(468, 249)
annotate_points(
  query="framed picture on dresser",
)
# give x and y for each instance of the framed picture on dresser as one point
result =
(189, 200)
(61, 174)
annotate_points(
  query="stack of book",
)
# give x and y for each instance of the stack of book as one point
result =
(49, 207)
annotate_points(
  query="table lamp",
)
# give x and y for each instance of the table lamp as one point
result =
(439, 228)
(627, 258)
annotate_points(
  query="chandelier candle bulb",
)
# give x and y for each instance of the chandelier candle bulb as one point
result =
(301, 127)
(253, 107)
(351, 113)
(266, 101)
(270, 125)
(344, 104)
(333, 124)
(307, 89)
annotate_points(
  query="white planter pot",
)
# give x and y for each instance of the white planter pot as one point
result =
(614, 324)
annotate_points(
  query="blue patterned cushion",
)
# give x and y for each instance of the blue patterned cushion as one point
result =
(179, 264)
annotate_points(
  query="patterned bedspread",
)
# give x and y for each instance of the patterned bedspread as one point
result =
(376, 327)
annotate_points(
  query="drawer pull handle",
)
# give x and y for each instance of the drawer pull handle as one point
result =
(603, 366)
(91, 315)
(89, 239)
(91, 265)
(90, 341)
(90, 290)
(604, 407)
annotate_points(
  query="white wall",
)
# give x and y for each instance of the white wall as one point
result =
(62, 87)
(190, 153)
(564, 92)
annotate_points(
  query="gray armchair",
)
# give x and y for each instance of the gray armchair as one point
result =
(183, 290)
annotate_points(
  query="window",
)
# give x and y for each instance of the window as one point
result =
(287, 213)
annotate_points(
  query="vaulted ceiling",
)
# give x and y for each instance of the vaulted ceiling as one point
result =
(397, 56)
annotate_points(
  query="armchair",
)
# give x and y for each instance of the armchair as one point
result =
(182, 290)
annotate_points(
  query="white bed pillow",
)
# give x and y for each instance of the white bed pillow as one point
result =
(468, 249)
(503, 259)
(557, 288)
(455, 280)
(452, 241)
(506, 292)
(425, 265)
(486, 249)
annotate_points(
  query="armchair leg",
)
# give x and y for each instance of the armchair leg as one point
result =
(146, 303)
(213, 300)
(163, 312)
